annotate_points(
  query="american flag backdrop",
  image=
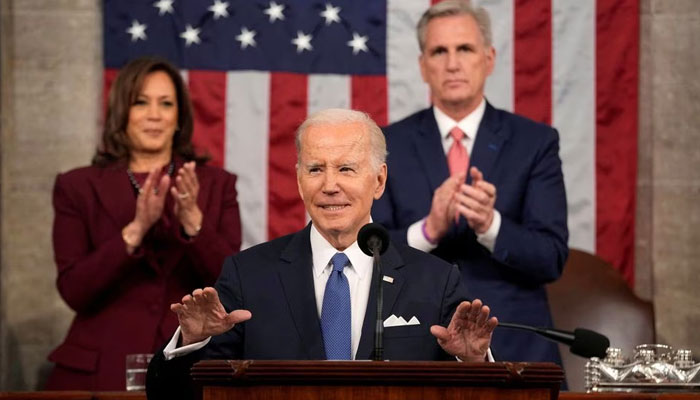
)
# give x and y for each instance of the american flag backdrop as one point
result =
(257, 68)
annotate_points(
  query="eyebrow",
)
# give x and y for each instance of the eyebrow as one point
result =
(165, 96)
(313, 164)
(458, 46)
(435, 49)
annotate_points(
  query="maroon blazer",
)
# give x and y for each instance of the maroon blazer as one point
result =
(122, 302)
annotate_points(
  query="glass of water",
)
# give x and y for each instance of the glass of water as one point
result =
(136, 367)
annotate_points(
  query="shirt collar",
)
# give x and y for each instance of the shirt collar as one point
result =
(322, 251)
(469, 124)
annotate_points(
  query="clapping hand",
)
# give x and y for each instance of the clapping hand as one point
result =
(149, 207)
(442, 209)
(185, 192)
(475, 202)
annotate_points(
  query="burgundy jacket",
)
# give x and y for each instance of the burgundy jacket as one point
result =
(122, 302)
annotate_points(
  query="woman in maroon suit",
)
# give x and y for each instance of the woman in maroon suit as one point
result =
(144, 225)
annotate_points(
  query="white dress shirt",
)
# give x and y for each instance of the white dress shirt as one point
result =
(469, 125)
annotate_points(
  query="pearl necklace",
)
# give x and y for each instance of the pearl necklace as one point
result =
(135, 184)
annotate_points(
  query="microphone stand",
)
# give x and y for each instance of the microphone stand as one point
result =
(553, 334)
(582, 342)
(379, 325)
(374, 240)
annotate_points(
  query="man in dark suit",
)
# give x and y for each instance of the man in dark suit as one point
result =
(285, 300)
(479, 187)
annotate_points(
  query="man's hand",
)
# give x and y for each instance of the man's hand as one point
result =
(469, 334)
(475, 202)
(202, 315)
(442, 209)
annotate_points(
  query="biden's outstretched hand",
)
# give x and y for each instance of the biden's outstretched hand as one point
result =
(468, 335)
(202, 315)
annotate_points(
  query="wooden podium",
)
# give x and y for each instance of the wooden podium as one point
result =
(368, 380)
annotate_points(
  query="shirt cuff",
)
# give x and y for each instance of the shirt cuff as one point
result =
(416, 239)
(171, 350)
(489, 356)
(488, 238)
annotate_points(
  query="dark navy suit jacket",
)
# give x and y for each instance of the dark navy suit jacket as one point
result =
(274, 281)
(520, 157)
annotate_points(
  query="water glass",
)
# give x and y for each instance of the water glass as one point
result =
(136, 367)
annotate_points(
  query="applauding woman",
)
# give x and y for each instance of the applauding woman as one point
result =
(141, 227)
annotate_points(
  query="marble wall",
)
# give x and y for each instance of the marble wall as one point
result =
(51, 96)
(669, 178)
(49, 119)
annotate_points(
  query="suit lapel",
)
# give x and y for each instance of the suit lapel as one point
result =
(391, 263)
(205, 188)
(430, 151)
(296, 275)
(489, 142)
(114, 191)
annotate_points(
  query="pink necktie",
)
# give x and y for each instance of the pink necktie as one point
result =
(457, 157)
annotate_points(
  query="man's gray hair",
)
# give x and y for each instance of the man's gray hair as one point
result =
(448, 8)
(335, 116)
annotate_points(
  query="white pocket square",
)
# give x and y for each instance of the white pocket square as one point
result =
(393, 320)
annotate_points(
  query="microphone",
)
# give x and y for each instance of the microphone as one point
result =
(373, 237)
(373, 240)
(582, 342)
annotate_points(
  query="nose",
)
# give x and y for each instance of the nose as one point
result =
(153, 111)
(452, 61)
(330, 182)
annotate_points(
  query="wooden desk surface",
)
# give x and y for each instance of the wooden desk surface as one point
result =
(629, 396)
(81, 395)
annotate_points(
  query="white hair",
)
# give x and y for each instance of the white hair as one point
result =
(336, 116)
(448, 8)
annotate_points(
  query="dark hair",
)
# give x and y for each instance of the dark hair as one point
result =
(115, 144)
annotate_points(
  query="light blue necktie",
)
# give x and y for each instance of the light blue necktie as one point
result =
(335, 313)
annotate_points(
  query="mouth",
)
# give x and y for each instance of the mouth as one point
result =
(454, 82)
(153, 132)
(333, 207)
